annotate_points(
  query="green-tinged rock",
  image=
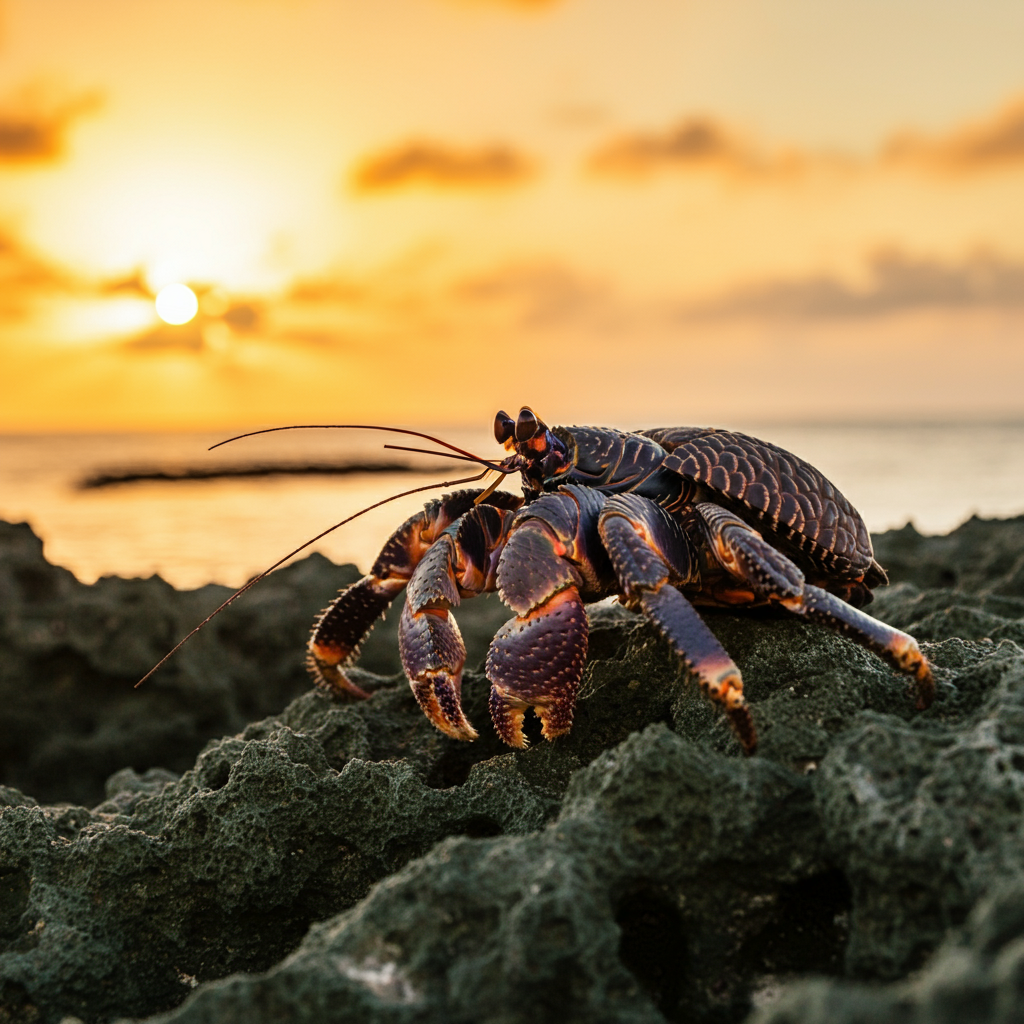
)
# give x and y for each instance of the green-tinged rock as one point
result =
(70, 655)
(981, 556)
(923, 818)
(666, 864)
(977, 977)
(346, 861)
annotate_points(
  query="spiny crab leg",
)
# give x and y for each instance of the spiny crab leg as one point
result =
(771, 577)
(650, 553)
(344, 624)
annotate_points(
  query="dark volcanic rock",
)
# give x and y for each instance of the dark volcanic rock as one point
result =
(977, 557)
(71, 654)
(357, 865)
(977, 977)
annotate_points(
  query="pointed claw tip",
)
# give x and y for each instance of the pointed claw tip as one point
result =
(507, 713)
(554, 720)
(461, 731)
(439, 698)
(331, 680)
(743, 726)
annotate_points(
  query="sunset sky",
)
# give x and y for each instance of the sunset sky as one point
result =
(418, 211)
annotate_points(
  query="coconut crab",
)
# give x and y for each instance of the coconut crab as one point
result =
(666, 519)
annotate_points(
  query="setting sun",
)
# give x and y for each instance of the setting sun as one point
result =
(740, 203)
(176, 304)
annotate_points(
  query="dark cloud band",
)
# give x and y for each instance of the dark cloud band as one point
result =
(35, 129)
(432, 164)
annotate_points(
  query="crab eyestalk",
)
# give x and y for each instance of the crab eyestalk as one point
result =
(504, 428)
(541, 455)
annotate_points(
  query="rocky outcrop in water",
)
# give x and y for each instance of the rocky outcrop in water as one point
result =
(336, 861)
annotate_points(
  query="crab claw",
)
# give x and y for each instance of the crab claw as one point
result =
(433, 655)
(536, 660)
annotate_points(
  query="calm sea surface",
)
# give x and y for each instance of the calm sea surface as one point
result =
(225, 531)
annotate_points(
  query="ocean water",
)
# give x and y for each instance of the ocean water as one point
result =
(227, 530)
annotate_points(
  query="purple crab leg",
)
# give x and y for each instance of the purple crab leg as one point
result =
(461, 562)
(755, 573)
(652, 555)
(899, 649)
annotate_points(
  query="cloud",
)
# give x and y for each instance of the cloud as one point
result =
(702, 143)
(991, 142)
(382, 292)
(896, 283)
(34, 123)
(540, 294)
(436, 165)
(416, 298)
(24, 275)
(133, 284)
(692, 144)
(168, 337)
(544, 298)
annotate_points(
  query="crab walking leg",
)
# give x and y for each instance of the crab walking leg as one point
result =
(536, 659)
(898, 648)
(651, 553)
(342, 627)
(460, 563)
(770, 576)
(344, 624)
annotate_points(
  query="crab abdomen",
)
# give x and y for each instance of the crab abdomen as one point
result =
(787, 499)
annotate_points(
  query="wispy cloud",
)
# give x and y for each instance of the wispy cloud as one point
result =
(895, 282)
(692, 144)
(166, 337)
(540, 294)
(544, 296)
(706, 144)
(34, 123)
(438, 165)
(24, 275)
(990, 142)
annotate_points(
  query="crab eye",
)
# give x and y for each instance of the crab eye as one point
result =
(528, 425)
(504, 427)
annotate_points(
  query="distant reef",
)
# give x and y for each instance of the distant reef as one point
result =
(164, 474)
(226, 845)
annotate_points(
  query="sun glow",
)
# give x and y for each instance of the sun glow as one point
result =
(176, 304)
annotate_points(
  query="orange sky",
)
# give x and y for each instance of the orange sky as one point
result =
(418, 211)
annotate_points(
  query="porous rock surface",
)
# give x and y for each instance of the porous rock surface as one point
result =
(347, 862)
(70, 655)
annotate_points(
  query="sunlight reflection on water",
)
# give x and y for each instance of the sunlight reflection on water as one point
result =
(225, 531)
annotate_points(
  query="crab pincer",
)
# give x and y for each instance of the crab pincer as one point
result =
(430, 643)
(552, 563)
(536, 660)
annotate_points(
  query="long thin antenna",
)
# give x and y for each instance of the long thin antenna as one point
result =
(362, 426)
(266, 572)
(447, 455)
